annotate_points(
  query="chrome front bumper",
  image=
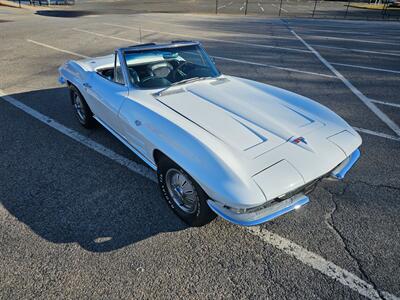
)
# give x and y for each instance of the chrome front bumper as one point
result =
(276, 208)
(340, 171)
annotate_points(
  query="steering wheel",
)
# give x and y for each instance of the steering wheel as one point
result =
(178, 70)
(144, 80)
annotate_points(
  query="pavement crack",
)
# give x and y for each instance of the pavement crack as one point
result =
(329, 221)
(386, 186)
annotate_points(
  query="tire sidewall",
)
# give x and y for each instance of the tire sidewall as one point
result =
(202, 215)
(88, 121)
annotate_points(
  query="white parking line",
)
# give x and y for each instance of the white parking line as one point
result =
(272, 66)
(289, 69)
(279, 8)
(247, 34)
(131, 165)
(57, 49)
(380, 134)
(227, 59)
(367, 131)
(346, 24)
(333, 31)
(386, 103)
(269, 24)
(308, 258)
(357, 50)
(259, 45)
(350, 39)
(392, 125)
(225, 5)
(372, 35)
(103, 35)
(358, 31)
(319, 263)
(211, 39)
(366, 68)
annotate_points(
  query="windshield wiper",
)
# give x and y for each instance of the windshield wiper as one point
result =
(192, 79)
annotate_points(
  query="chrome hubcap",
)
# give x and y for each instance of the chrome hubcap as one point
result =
(79, 107)
(181, 190)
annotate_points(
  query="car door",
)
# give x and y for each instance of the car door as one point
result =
(106, 96)
(135, 126)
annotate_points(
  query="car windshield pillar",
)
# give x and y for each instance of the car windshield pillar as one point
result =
(119, 56)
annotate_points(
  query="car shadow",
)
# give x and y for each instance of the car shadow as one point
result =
(68, 193)
(64, 13)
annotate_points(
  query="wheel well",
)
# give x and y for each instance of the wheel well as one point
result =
(69, 84)
(158, 155)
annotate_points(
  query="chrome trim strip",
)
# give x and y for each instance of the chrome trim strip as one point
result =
(151, 46)
(126, 143)
(341, 171)
(265, 215)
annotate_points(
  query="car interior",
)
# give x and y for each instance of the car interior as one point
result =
(160, 74)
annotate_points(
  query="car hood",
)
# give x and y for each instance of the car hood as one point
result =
(240, 114)
(278, 138)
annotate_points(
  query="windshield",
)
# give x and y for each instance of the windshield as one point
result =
(162, 68)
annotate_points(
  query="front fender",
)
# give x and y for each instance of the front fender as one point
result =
(72, 72)
(214, 165)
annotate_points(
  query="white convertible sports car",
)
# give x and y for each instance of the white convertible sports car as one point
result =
(246, 151)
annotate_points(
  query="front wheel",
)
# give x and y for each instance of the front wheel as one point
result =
(183, 195)
(82, 110)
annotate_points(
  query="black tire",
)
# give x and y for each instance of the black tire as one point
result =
(82, 110)
(202, 214)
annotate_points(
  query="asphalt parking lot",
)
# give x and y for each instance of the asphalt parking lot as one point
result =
(332, 9)
(81, 216)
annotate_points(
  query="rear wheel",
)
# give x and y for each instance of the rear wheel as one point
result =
(183, 195)
(82, 110)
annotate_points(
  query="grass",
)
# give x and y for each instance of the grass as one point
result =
(373, 6)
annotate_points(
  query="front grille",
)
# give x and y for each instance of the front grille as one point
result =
(305, 189)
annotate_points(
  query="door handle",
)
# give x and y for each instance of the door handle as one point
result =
(87, 85)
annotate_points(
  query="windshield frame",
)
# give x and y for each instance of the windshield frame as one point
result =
(151, 47)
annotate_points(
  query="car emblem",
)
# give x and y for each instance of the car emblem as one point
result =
(299, 140)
